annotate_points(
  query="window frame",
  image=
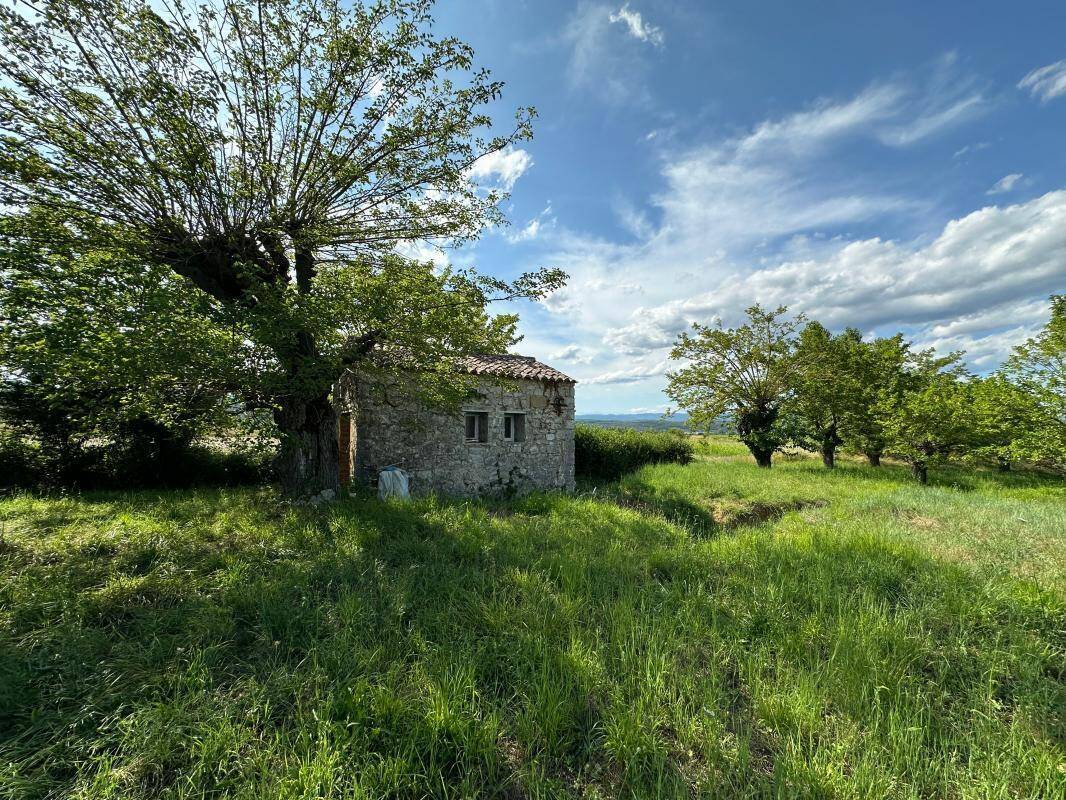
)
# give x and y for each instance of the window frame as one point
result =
(517, 420)
(481, 426)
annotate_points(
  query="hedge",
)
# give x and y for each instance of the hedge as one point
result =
(609, 453)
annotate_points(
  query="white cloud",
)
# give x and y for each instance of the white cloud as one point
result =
(1005, 184)
(981, 272)
(604, 61)
(767, 216)
(502, 166)
(532, 229)
(971, 148)
(572, 353)
(635, 374)
(638, 28)
(1046, 83)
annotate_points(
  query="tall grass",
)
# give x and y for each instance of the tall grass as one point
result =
(812, 633)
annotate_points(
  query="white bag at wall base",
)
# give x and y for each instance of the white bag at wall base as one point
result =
(392, 482)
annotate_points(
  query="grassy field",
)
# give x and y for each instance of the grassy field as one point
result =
(710, 630)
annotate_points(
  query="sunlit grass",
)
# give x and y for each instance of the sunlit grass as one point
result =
(710, 630)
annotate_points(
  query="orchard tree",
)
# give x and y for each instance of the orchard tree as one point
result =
(933, 418)
(1007, 420)
(274, 155)
(1038, 368)
(879, 376)
(827, 386)
(747, 372)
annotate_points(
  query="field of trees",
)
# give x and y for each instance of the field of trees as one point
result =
(709, 630)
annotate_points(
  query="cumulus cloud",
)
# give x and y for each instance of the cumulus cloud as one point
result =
(1005, 184)
(504, 167)
(572, 353)
(1046, 83)
(981, 272)
(767, 215)
(635, 374)
(638, 27)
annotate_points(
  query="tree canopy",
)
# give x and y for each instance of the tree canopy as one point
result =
(746, 372)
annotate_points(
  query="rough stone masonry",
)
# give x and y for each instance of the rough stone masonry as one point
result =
(515, 434)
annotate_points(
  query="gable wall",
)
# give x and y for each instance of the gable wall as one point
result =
(430, 446)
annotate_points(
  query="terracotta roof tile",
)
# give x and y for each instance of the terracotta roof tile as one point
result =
(513, 366)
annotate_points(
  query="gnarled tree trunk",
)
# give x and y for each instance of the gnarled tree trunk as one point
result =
(873, 457)
(754, 428)
(1002, 464)
(306, 462)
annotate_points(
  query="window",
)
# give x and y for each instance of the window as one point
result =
(477, 426)
(514, 427)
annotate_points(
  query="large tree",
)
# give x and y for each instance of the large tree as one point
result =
(98, 351)
(747, 372)
(273, 154)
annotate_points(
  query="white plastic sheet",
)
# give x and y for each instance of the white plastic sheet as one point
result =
(392, 482)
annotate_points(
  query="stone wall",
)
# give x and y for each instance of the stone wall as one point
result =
(391, 428)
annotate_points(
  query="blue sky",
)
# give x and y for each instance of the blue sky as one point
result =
(892, 166)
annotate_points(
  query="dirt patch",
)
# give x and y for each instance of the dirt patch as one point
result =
(918, 521)
(703, 518)
(728, 516)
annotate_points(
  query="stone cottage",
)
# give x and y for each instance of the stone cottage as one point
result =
(514, 434)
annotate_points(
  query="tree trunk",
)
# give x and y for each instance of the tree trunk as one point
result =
(754, 427)
(874, 458)
(306, 463)
(830, 440)
(762, 456)
(920, 470)
(1002, 464)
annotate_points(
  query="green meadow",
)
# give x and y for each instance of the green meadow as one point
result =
(710, 630)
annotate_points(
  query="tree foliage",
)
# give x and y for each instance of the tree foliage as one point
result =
(746, 372)
(1038, 368)
(273, 154)
(932, 418)
(827, 388)
(99, 349)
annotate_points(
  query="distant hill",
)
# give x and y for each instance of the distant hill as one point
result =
(650, 421)
(645, 421)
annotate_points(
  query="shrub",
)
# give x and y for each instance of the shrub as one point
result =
(24, 465)
(609, 453)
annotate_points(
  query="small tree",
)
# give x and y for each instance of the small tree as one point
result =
(933, 418)
(746, 372)
(879, 373)
(827, 386)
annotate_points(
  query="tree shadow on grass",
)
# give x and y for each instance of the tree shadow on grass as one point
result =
(432, 648)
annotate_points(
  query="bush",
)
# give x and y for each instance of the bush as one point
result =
(26, 466)
(609, 453)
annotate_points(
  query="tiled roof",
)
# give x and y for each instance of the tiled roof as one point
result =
(512, 366)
